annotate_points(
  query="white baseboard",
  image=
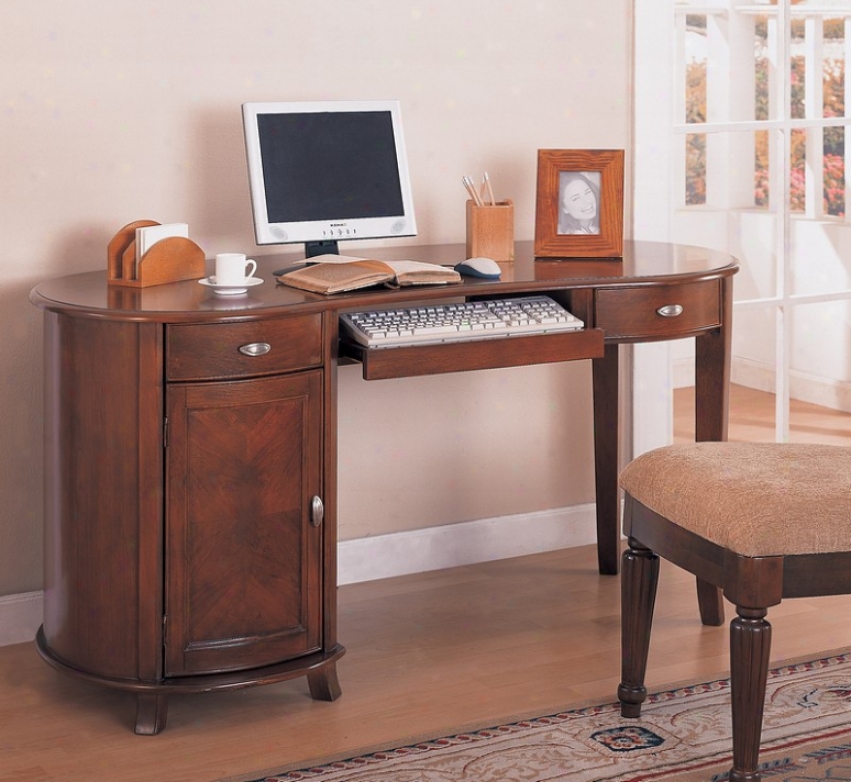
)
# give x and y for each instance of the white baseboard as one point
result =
(20, 617)
(753, 374)
(827, 392)
(396, 554)
(465, 543)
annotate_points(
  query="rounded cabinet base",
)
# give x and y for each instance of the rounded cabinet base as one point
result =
(152, 697)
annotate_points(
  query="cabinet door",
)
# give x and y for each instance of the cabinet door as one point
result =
(242, 560)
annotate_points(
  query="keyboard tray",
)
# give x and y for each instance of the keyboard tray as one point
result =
(414, 360)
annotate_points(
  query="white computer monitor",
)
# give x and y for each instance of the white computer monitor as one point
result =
(325, 171)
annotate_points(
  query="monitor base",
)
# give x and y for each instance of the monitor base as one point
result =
(312, 249)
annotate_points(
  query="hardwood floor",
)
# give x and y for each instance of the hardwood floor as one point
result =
(752, 418)
(427, 654)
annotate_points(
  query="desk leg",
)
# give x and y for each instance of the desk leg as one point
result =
(151, 712)
(712, 387)
(324, 684)
(712, 408)
(606, 430)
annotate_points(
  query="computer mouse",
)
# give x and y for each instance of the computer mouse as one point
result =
(479, 267)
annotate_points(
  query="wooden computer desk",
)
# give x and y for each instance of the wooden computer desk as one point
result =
(190, 488)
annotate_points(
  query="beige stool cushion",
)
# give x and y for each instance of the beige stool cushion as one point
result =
(756, 499)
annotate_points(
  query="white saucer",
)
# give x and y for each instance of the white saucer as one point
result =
(231, 290)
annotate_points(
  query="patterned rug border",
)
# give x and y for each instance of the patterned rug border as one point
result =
(312, 769)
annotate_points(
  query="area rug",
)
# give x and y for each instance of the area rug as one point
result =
(683, 735)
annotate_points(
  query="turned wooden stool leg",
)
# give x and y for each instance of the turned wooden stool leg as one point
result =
(750, 647)
(638, 595)
(151, 712)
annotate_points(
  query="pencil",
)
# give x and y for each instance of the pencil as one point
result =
(468, 183)
(487, 182)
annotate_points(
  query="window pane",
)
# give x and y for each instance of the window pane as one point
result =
(833, 67)
(695, 64)
(798, 73)
(819, 257)
(817, 172)
(762, 176)
(695, 169)
(798, 171)
(735, 163)
(834, 172)
(734, 180)
(776, 199)
(764, 75)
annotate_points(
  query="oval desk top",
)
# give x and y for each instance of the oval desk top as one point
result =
(643, 263)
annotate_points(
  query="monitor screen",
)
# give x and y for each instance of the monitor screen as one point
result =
(326, 171)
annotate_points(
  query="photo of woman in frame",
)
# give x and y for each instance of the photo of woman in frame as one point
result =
(579, 202)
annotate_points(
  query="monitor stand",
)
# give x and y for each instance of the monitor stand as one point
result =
(312, 249)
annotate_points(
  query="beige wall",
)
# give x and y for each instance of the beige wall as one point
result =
(116, 110)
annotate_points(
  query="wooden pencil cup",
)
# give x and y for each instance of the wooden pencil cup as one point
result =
(169, 260)
(490, 231)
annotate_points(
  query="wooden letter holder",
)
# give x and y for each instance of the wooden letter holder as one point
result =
(169, 260)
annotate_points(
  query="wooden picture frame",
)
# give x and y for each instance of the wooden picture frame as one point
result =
(579, 206)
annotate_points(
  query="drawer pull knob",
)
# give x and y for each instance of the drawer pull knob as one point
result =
(670, 310)
(255, 349)
(317, 511)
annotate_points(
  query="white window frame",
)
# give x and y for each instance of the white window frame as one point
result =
(659, 160)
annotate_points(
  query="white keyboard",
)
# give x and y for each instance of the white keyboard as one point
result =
(465, 321)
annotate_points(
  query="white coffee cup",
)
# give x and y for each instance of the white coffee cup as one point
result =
(233, 268)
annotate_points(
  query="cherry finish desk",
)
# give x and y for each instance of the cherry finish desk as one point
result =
(159, 576)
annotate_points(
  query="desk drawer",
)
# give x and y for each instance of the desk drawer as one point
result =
(639, 313)
(224, 350)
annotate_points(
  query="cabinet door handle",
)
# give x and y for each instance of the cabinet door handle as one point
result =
(670, 310)
(317, 511)
(255, 349)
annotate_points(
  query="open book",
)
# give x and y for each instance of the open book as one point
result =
(337, 273)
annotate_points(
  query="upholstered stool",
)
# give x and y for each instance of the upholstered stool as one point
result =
(760, 521)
